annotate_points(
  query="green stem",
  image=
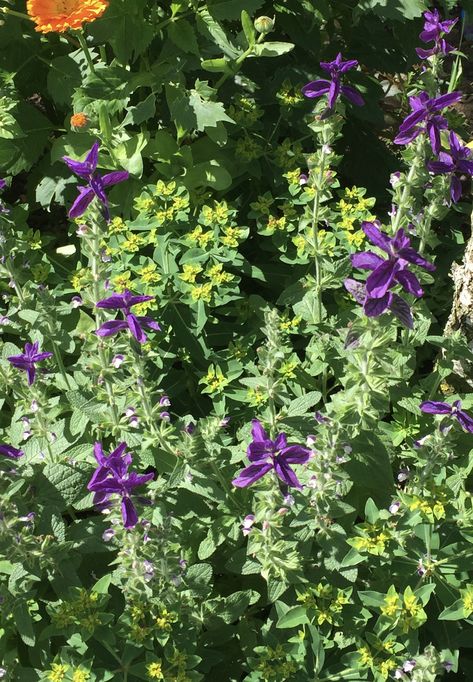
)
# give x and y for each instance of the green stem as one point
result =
(237, 63)
(104, 359)
(16, 286)
(14, 13)
(315, 230)
(417, 161)
(86, 51)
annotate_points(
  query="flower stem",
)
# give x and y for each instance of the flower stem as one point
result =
(94, 258)
(417, 162)
(315, 229)
(85, 50)
(14, 13)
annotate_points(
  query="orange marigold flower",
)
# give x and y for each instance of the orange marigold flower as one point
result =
(60, 15)
(79, 120)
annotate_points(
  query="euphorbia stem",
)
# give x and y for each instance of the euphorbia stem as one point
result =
(315, 230)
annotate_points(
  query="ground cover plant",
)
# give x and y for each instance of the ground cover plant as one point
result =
(236, 433)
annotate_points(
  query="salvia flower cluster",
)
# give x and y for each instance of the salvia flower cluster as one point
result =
(112, 479)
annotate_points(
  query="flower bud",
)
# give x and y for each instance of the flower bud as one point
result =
(79, 120)
(264, 24)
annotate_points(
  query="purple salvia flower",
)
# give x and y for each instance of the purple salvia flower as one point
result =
(10, 451)
(333, 87)
(386, 273)
(26, 361)
(425, 118)
(164, 401)
(266, 454)
(464, 419)
(117, 360)
(458, 159)
(434, 29)
(113, 478)
(375, 307)
(125, 302)
(96, 184)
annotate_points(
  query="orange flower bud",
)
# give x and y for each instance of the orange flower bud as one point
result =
(79, 120)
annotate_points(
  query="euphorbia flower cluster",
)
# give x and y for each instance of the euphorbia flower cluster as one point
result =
(334, 87)
(113, 478)
(386, 273)
(267, 454)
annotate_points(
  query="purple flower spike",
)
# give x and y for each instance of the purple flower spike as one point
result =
(434, 29)
(458, 159)
(10, 451)
(454, 411)
(112, 477)
(96, 184)
(26, 361)
(425, 118)
(125, 302)
(333, 87)
(376, 295)
(266, 454)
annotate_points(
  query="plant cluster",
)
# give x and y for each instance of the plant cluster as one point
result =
(226, 451)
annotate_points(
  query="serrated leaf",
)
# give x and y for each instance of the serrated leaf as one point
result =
(24, 623)
(302, 405)
(183, 35)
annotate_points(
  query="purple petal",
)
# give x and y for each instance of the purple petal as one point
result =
(412, 120)
(445, 100)
(367, 260)
(466, 422)
(440, 167)
(148, 322)
(92, 157)
(353, 95)
(455, 189)
(285, 473)
(114, 178)
(333, 93)
(98, 477)
(81, 203)
(433, 407)
(411, 255)
(79, 168)
(401, 309)
(117, 301)
(135, 328)
(356, 289)
(99, 453)
(424, 54)
(316, 88)
(30, 373)
(373, 307)
(280, 442)
(119, 450)
(111, 328)
(129, 515)
(349, 64)
(409, 282)
(257, 431)
(434, 136)
(381, 279)
(251, 474)
(10, 451)
(407, 137)
(376, 237)
(38, 357)
(295, 454)
(259, 451)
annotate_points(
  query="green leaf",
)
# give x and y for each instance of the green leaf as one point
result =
(208, 174)
(207, 113)
(297, 615)
(183, 35)
(142, 112)
(272, 49)
(209, 27)
(24, 623)
(248, 28)
(455, 611)
(302, 405)
(64, 76)
(237, 603)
